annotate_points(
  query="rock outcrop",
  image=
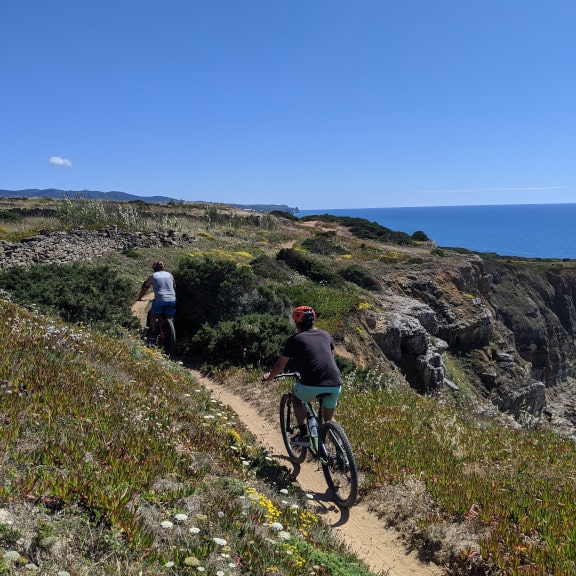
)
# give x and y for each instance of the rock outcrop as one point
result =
(514, 323)
(81, 244)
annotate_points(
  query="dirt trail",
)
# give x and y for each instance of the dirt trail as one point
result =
(358, 528)
(361, 530)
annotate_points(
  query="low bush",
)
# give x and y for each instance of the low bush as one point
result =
(362, 228)
(78, 293)
(420, 236)
(251, 340)
(307, 266)
(211, 290)
(285, 215)
(332, 305)
(323, 243)
(361, 277)
(9, 216)
(267, 267)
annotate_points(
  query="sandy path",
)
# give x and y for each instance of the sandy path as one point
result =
(361, 530)
(363, 533)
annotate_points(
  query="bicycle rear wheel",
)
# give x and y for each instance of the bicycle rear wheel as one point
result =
(338, 464)
(169, 337)
(151, 331)
(289, 427)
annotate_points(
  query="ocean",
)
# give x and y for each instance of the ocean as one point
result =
(528, 230)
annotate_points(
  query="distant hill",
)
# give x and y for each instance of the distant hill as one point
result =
(91, 194)
(124, 197)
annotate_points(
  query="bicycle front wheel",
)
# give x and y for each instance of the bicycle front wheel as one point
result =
(338, 464)
(289, 427)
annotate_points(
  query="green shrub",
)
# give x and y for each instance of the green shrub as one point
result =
(309, 267)
(420, 236)
(267, 267)
(322, 243)
(362, 228)
(9, 216)
(210, 290)
(78, 292)
(332, 304)
(250, 340)
(285, 215)
(361, 277)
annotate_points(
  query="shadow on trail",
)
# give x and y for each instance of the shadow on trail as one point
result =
(321, 503)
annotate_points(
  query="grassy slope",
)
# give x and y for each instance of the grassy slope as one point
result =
(116, 461)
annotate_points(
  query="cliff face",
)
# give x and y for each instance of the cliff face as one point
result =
(514, 323)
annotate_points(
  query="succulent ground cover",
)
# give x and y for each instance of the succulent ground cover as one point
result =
(115, 461)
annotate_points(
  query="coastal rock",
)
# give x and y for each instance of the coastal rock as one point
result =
(403, 335)
(515, 324)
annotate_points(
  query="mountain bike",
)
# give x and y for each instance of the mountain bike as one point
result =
(329, 445)
(164, 333)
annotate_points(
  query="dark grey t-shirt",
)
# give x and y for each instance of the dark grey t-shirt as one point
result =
(311, 355)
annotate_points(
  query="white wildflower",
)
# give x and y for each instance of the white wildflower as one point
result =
(11, 556)
(167, 524)
(181, 517)
(276, 526)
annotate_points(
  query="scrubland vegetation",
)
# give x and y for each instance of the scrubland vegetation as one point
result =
(115, 461)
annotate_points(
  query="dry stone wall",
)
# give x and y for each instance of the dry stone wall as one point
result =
(48, 247)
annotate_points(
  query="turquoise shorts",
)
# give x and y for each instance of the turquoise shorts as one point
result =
(308, 393)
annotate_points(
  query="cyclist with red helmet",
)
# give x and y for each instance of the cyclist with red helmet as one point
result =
(164, 286)
(311, 353)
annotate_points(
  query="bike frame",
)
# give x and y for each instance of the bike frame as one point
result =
(331, 447)
(311, 411)
(161, 338)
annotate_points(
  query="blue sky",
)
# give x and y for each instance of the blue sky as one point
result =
(310, 103)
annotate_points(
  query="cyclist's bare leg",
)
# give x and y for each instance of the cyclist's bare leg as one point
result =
(154, 324)
(328, 414)
(299, 410)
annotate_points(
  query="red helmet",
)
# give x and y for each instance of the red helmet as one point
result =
(158, 266)
(304, 314)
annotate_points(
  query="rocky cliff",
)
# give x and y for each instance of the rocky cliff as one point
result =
(512, 322)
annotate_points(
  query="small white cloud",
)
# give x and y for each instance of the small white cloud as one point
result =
(59, 161)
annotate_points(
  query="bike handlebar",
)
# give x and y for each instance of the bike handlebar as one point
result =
(287, 375)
